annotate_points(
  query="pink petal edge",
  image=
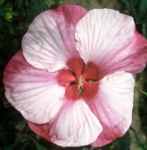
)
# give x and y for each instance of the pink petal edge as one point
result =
(49, 41)
(113, 106)
(74, 126)
(132, 58)
(31, 91)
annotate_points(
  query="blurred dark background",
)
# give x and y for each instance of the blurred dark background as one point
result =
(15, 17)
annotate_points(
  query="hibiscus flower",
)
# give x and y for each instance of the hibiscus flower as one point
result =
(73, 80)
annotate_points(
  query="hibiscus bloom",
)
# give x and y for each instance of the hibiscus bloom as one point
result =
(73, 80)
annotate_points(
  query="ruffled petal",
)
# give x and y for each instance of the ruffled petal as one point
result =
(106, 30)
(132, 58)
(31, 91)
(113, 106)
(69, 16)
(75, 126)
(111, 41)
(49, 40)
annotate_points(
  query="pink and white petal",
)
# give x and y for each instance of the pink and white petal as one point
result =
(113, 106)
(49, 40)
(132, 59)
(75, 125)
(31, 91)
(107, 31)
(69, 16)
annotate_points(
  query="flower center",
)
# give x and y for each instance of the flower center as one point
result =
(79, 79)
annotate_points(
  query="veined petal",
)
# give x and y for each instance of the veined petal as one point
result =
(49, 40)
(75, 126)
(101, 31)
(31, 91)
(113, 106)
(132, 58)
(69, 16)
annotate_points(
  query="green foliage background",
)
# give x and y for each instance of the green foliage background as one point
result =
(15, 16)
